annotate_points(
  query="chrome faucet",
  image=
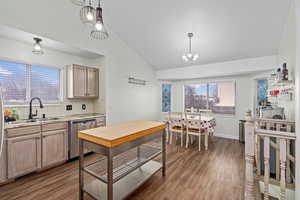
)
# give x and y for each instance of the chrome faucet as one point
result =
(30, 107)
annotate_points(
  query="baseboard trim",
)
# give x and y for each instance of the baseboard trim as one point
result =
(227, 136)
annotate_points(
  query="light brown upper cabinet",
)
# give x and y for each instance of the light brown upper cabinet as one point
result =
(82, 81)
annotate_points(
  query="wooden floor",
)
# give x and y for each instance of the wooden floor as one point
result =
(216, 174)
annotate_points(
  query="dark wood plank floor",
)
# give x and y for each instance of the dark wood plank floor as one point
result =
(209, 175)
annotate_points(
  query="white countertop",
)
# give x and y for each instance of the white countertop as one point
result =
(60, 119)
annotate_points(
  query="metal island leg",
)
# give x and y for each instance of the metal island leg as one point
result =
(109, 175)
(81, 162)
(164, 153)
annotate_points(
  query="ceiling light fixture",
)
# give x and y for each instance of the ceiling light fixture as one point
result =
(99, 31)
(190, 56)
(87, 14)
(37, 47)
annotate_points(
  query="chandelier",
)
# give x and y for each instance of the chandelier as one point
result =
(190, 56)
(90, 14)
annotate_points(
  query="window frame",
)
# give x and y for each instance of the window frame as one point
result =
(28, 83)
(210, 82)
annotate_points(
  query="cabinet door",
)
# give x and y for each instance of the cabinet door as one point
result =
(79, 81)
(92, 82)
(24, 154)
(54, 144)
(3, 167)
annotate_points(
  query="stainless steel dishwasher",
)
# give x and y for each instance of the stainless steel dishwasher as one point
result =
(74, 127)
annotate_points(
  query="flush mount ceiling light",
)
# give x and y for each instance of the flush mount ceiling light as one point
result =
(37, 47)
(190, 56)
(87, 14)
(99, 31)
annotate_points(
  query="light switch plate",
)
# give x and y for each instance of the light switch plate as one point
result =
(68, 107)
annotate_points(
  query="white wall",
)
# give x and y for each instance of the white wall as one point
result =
(297, 96)
(287, 53)
(227, 125)
(12, 50)
(60, 21)
(230, 68)
(287, 45)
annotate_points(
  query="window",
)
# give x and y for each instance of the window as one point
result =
(20, 82)
(166, 97)
(218, 97)
(262, 91)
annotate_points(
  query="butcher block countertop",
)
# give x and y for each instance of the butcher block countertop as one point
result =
(120, 133)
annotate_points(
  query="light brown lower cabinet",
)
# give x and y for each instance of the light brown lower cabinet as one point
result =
(24, 155)
(3, 167)
(54, 147)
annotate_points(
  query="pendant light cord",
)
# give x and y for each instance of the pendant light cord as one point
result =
(190, 49)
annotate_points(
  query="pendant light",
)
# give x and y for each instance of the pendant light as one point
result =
(190, 56)
(37, 47)
(99, 31)
(87, 14)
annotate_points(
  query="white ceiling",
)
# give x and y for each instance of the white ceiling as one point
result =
(224, 29)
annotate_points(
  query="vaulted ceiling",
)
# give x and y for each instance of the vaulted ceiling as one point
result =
(224, 29)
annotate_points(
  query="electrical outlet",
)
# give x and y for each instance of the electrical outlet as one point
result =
(68, 107)
(83, 107)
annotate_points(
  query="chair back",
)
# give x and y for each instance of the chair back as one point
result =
(193, 121)
(176, 119)
(205, 112)
(165, 117)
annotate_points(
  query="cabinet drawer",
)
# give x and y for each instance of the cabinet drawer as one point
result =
(54, 126)
(15, 132)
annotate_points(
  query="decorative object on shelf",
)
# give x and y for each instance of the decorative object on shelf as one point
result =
(78, 2)
(279, 74)
(37, 47)
(87, 14)
(136, 81)
(280, 88)
(190, 56)
(99, 31)
(285, 72)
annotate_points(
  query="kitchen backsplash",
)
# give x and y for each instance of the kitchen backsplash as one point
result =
(56, 110)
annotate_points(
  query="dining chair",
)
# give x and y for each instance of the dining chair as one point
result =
(207, 113)
(195, 127)
(176, 125)
(165, 119)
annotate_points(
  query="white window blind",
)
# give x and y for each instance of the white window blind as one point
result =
(20, 82)
(45, 83)
(13, 82)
